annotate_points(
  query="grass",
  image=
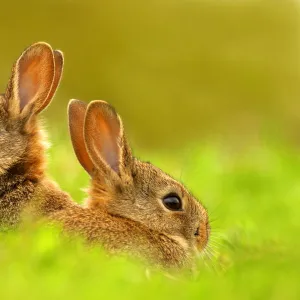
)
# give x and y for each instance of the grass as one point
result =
(253, 199)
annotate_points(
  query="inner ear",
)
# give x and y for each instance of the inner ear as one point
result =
(103, 132)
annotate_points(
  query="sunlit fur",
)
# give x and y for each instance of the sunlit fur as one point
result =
(22, 141)
(125, 210)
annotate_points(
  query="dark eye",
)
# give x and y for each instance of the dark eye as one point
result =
(172, 202)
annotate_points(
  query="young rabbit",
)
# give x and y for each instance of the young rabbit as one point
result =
(34, 80)
(132, 206)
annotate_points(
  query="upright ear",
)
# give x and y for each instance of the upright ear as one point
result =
(103, 134)
(59, 64)
(76, 113)
(32, 79)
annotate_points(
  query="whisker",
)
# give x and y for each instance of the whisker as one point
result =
(218, 235)
(212, 261)
(212, 220)
(211, 250)
(215, 243)
(215, 234)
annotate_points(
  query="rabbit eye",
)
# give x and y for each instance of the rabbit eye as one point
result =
(172, 202)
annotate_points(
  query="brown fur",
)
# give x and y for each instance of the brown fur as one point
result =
(34, 80)
(124, 210)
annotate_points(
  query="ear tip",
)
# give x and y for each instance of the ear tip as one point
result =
(101, 105)
(101, 111)
(96, 103)
(40, 47)
(74, 106)
(58, 54)
(74, 102)
(42, 43)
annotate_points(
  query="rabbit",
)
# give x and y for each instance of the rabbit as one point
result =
(34, 80)
(132, 206)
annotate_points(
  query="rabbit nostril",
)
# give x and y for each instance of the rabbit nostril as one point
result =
(197, 233)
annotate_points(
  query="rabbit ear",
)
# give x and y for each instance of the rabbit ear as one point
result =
(59, 63)
(32, 79)
(76, 112)
(103, 134)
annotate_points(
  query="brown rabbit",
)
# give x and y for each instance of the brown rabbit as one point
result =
(132, 206)
(34, 80)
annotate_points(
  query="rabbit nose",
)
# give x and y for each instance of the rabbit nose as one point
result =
(202, 235)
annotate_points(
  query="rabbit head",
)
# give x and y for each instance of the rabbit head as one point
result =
(129, 188)
(34, 80)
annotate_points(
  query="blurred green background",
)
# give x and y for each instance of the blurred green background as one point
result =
(175, 70)
(208, 91)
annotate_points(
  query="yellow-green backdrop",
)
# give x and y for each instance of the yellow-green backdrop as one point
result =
(176, 70)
